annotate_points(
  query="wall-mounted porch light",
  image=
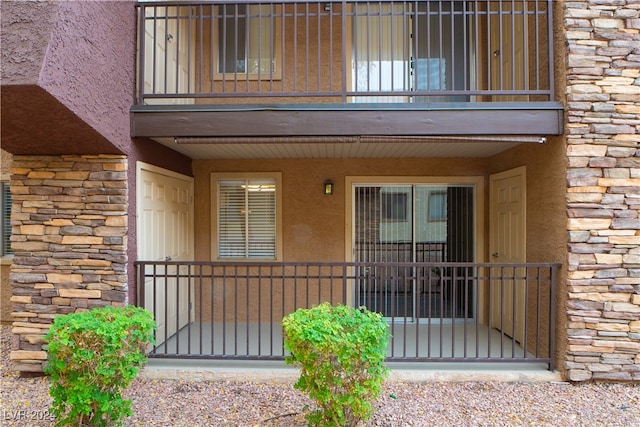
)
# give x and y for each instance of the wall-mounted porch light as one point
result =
(328, 187)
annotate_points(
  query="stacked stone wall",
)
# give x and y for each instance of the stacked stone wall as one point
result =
(69, 237)
(603, 196)
(5, 262)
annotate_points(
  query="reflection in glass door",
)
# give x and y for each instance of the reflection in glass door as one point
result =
(397, 229)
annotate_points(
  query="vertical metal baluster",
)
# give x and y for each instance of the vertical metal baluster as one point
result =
(502, 303)
(514, 311)
(247, 299)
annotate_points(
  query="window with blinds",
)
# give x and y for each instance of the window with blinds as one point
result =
(6, 219)
(246, 218)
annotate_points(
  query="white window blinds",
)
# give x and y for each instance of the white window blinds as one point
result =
(247, 218)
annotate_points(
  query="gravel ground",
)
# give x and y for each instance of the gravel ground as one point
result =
(24, 402)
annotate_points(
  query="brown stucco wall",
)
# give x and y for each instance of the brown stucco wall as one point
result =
(22, 67)
(75, 63)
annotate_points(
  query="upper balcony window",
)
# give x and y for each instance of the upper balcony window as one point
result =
(246, 41)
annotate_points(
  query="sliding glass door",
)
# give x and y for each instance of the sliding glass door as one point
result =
(412, 46)
(397, 229)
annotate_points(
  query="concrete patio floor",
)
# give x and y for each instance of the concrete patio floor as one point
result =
(423, 340)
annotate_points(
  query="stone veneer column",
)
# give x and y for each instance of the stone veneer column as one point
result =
(603, 198)
(69, 239)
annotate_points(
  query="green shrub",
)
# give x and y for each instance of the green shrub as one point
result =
(93, 356)
(341, 352)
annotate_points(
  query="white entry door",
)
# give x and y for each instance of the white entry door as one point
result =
(508, 245)
(165, 233)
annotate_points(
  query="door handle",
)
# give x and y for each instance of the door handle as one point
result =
(167, 258)
(495, 254)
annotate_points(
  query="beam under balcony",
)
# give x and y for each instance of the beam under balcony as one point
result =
(538, 118)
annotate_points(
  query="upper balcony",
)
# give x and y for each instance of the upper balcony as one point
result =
(368, 68)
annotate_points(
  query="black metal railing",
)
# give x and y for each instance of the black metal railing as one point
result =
(449, 312)
(252, 52)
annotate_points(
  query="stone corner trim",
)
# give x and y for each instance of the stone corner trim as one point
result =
(603, 195)
(69, 237)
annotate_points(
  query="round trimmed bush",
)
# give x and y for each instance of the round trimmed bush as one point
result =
(341, 352)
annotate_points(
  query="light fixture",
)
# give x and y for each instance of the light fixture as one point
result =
(328, 187)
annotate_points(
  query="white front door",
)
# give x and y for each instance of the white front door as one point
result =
(508, 245)
(165, 233)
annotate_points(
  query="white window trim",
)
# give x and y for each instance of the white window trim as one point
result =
(215, 177)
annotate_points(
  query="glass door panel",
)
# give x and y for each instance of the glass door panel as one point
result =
(443, 54)
(398, 228)
(381, 51)
(384, 234)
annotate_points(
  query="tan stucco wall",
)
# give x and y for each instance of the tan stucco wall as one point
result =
(546, 216)
(314, 63)
(294, 75)
(314, 223)
(5, 294)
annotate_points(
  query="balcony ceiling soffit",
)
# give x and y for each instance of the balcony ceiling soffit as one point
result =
(346, 147)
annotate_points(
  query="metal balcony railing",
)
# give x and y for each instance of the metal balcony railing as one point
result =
(257, 52)
(437, 312)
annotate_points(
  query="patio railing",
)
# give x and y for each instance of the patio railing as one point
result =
(356, 51)
(448, 312)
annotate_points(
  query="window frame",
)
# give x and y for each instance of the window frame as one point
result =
(440, 204)
(274, 16)
(215, 214)
(393, 207)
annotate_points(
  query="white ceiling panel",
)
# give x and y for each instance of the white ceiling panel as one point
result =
(343, 147)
